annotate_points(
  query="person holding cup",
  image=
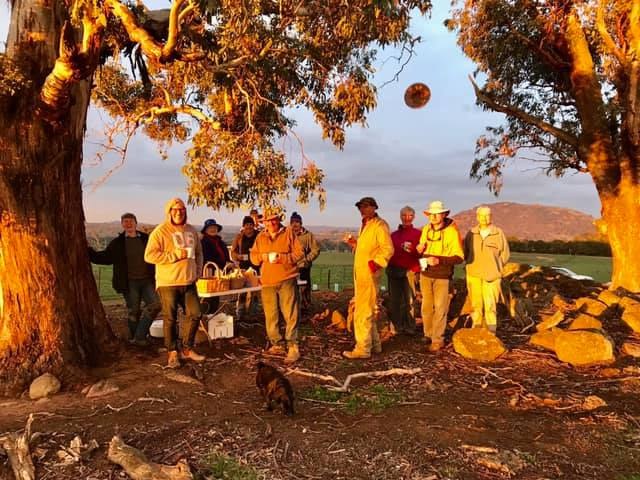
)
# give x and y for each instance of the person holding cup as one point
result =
(372, 249)
(402, 273)
(277, 251)
(441, 249)
(174, 248)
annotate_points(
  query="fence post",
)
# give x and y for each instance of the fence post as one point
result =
(329, 279)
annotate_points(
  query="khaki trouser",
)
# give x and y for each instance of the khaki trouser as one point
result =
(435, 305)
(364, 318)
(281, 298)
(484, 298)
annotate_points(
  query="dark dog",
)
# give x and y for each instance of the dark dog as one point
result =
(274, 387)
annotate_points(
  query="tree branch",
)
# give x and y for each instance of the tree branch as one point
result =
(609, 44)
(485, 99)
(174, 30)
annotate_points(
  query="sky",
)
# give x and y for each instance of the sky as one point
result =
(404, 156)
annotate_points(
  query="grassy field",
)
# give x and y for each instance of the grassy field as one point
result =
(333, 268)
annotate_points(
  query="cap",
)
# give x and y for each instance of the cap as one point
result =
(367, 201)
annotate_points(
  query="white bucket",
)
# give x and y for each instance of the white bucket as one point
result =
(220, 326)
(155, 330)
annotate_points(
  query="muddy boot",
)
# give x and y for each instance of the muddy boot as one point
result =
(189, 354)
(292, 355)
(173, 361)
(355, 354)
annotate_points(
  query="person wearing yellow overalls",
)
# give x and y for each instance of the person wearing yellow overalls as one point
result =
(373, 249)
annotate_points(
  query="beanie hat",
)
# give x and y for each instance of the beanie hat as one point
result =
(295, 217)
(248, 219)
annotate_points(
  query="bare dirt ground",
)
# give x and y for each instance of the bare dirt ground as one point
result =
(525, 416)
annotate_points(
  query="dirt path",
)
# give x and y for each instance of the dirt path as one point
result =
(523, 416)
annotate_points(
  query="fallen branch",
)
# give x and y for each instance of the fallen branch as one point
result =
(325, 378)
(376, 374)
(137, 466)
(17, 449)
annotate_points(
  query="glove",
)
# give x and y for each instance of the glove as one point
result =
(373, 266)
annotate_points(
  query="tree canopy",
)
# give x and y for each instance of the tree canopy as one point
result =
(566, 75)
(226, 76)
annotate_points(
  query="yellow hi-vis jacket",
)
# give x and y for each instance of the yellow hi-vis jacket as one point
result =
(374, 243)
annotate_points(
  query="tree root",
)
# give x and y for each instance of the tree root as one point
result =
(138, 467)
(17, 449)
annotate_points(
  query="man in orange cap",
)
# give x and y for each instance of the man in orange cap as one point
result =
(277, 252)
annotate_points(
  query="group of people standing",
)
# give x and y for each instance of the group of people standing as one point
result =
(161, 270)
(426, 258)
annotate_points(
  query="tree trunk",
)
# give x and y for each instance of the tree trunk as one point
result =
(621, 215)
(50, 312)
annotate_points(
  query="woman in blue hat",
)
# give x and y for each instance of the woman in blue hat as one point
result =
(213, 250)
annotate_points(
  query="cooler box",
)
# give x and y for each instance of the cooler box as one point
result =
(156, 329)
(220, 326)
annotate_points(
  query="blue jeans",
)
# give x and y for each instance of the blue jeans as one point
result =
(140, 319)
(187, 298)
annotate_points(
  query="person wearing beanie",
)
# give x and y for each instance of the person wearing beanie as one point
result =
(311, 251)
(175, 249)
(240, 248)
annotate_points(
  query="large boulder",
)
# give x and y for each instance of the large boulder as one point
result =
(43, 386)
(584, 347)
(550, 321)
(631, 316)
(546, 338)
(590, 306)
(609, 298)
(477, 344)
(585, 322)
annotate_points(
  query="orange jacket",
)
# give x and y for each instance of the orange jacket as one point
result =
(289, 251)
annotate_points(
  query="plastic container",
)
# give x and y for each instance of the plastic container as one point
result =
(220, 326)
(155, 330)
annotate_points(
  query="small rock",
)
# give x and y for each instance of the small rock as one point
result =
(585, 322)
(631, 349)
(631, 316)
(592, 402)
(477, 344)
(584, 347)
(590, 306)
(546, 338)
(609, 372)
(102, 388)
(44, 386)
(550, 321)
(609, 298)
(561, 303)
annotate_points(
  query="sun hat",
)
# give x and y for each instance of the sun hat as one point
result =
(271, 213)
(436, 207)
(210, 222)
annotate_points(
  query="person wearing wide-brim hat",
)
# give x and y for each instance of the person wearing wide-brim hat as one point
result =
(277, 251)
(372, 251)
(441, 248)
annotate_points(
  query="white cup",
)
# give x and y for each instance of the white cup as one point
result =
(406, 246)
(273, 257)
(190, 252)
(423, 263)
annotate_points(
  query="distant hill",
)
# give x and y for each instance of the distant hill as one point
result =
(522, 221)
(534, 222)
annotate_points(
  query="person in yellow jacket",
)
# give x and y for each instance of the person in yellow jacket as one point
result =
(486, 252)
(277, 251)
(441, 249)
(373, 249)
(174, 248)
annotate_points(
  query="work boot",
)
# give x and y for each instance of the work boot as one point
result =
(292, 355)
(276, 349)
(189, 354)
(353, 354)
(436, 345)
(174, 361)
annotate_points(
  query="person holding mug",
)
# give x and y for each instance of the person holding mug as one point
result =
(277, 251)
(402, 273)
(441, 249)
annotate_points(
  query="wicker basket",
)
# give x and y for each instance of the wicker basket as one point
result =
(212, 280)
(234, 275)
(251, 277)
